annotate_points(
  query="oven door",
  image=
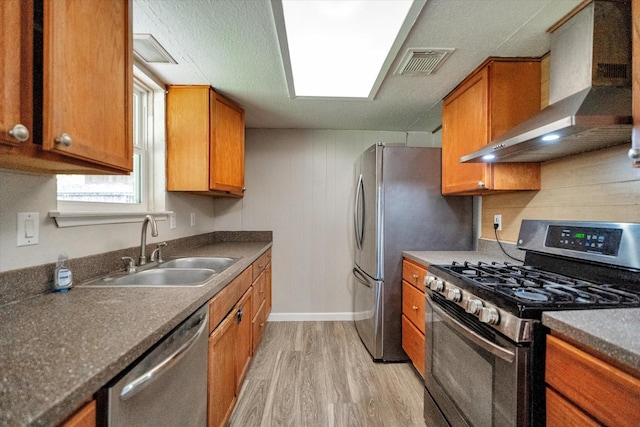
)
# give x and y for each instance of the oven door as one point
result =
(474, 376)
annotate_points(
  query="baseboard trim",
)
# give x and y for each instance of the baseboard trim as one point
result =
(308, 317)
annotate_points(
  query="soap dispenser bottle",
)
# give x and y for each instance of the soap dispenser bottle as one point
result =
(63, 279)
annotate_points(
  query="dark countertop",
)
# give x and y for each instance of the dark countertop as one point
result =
(57, 350)
(488, 251)
(613, 333)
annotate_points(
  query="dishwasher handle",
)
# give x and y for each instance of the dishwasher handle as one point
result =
(144, 380)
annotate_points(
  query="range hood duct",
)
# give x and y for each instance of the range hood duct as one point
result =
(590, 92)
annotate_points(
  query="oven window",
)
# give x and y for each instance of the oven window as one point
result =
(465, 374)
(482, 386)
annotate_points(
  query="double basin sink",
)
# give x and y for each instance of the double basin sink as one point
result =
(178, 272)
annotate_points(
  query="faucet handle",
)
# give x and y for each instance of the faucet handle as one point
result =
(131, 264)
(156, 255)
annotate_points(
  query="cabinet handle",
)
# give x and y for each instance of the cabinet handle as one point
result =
(64, 139)
(239, 315)
(261, 324)
(20, 132)
(480, 184)
(415, 276)
(415, 308)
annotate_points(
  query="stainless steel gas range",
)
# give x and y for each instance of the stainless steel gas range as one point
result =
(484, 340)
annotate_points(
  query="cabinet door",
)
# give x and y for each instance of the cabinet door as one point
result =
(221, 382)
(188, 138)
(258, 325)
(84, 417)
(413, 344)
(88, 81)
(464, 130)
(16, 72)
(244, 348)
(227, 147)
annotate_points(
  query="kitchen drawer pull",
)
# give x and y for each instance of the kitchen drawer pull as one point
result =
(415, 276)
(20, 132)
(415, 308)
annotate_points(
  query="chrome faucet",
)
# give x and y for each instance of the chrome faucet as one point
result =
(143, 238)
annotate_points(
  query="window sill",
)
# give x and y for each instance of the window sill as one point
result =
(77, 219)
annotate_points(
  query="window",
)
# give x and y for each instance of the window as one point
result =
(122, 198)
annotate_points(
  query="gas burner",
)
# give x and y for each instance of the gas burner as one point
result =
(530, 296)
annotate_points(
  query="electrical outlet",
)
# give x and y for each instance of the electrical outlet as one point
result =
(497, 219)
(172, 220)
(193, 219)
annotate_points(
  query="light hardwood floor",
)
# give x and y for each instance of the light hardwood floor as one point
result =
(320, 374)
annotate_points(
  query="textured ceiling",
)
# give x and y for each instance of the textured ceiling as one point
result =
(232, 45)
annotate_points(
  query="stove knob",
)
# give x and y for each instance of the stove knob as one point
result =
(489, 315)
(453, 295)
(474, 306)
(436, 285)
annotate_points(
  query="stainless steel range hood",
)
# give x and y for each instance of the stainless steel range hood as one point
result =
(589, 95)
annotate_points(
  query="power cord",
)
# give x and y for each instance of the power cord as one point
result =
(495, 230)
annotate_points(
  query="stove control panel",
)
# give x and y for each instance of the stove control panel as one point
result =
(604, 241)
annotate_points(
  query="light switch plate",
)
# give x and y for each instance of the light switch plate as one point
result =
(28, 228)
(172, 220)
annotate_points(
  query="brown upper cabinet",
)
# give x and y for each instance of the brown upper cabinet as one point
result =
(67, 86)
(498, 95)
(205, 142)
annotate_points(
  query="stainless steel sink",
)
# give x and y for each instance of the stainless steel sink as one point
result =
(218, 264)
(157, 278)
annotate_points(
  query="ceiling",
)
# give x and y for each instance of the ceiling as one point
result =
(233, 46)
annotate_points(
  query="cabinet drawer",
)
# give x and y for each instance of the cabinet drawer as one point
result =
(259, 265)
(414, 274)
(258, 293)
(413, 302)
(413, 344)
(593, 385)
(245, 278)
(223, 302)
(562, 413)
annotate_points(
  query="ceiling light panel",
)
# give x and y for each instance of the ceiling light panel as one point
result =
(342, 48)
(150, 50)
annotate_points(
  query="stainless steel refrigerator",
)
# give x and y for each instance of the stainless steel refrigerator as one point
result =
(398, 207)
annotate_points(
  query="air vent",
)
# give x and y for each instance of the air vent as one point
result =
(150, 50)
(422, 61)
(613, 71)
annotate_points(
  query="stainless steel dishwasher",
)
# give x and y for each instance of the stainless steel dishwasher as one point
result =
(167, 386)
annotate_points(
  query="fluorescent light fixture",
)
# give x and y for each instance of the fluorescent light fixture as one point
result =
(150, 50)
(551, 137)
(341, 49)
(488, 157)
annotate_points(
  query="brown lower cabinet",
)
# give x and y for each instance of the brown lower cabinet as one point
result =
(413, 316)
(584, 390)
(237, 320)
(84, 417)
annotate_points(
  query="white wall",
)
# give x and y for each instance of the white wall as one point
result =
(20, 192)
(300, 184)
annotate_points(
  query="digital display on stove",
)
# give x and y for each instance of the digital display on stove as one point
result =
(604, 241)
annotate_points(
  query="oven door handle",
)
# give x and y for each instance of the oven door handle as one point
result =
(484, 343)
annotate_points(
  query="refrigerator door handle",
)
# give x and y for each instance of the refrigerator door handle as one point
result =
(359, 225)
(360, 278)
